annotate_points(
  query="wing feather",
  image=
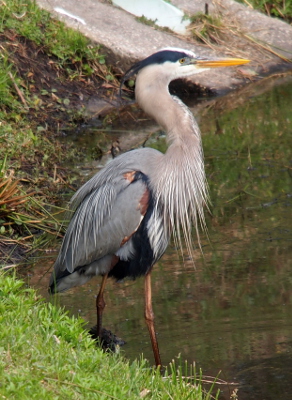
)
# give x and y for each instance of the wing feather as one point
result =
(102, 222)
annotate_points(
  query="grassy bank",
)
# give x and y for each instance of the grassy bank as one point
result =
(277, 8)
(47, 72)
(47, 355)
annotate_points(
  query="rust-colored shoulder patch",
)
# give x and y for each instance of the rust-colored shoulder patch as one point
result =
(126, 239)
(144, 202)
(130, 176)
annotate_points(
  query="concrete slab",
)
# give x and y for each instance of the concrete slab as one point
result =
(125, 40)
(271, 32)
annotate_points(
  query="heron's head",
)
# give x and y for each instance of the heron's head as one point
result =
(172, 63)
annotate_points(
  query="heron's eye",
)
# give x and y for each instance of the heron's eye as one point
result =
(182, 60)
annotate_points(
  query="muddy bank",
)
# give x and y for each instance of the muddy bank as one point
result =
(58, 96)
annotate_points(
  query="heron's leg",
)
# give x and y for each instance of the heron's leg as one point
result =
(100, 304)
(149, 317)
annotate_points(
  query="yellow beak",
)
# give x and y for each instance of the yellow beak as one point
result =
(227, 62)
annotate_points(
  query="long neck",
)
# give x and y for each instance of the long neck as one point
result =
(178, 180)
(170, 113)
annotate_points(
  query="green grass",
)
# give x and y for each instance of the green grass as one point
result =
(22, 131)
(206, 27)
(275, 8)
(23, 23)
(26, 19)
(34, 110)
(45, 354)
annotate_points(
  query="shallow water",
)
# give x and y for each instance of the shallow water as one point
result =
(232, 312)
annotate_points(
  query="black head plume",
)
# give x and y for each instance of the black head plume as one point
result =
(171, 55)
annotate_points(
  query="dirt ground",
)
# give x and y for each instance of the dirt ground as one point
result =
(56, 103)
(54, 91)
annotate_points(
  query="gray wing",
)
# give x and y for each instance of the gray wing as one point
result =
(107, 210)
(104, 221)
(135, 160)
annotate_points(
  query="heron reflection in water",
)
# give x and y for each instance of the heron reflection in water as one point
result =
(124, 215)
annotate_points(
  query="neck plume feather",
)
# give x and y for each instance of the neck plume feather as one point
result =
(179, 180)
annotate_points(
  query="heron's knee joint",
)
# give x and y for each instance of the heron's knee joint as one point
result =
(100, 303)
(149, 315)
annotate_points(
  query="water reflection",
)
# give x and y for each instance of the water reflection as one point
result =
(233, 311)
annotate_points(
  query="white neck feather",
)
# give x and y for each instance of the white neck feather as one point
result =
(178, 181)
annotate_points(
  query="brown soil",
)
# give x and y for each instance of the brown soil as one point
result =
(56, 91)
(52, 99)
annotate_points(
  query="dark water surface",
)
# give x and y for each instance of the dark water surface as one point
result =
(232, 312)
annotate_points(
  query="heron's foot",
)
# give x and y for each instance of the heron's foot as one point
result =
(109, 341)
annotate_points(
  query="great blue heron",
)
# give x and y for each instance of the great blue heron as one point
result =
(124, 215)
